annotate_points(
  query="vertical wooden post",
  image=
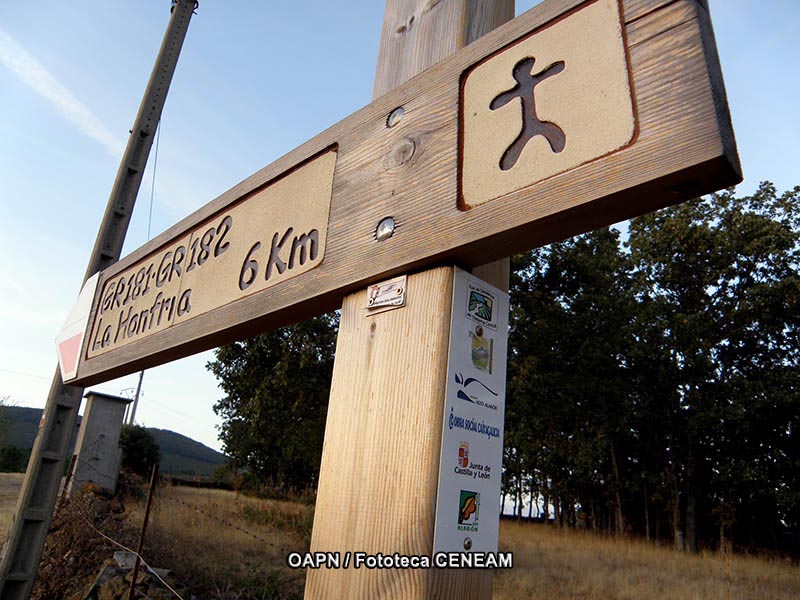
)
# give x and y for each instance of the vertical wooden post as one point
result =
(68, 479)
(380, 463)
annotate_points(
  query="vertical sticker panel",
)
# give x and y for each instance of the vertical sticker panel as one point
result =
(470, 468)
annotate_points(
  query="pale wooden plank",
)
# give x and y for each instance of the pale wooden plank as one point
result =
(410, 25)
(379, 472)
(497, 273)
(638, 9)
(387, 396)
(684, 147)
(404, 49)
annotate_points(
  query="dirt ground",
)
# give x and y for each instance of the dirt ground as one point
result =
(10, 484)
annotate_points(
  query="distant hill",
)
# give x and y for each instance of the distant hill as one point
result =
(180, 455)
(22, 425)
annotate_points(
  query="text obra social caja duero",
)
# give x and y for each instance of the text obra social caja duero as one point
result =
(359, 560)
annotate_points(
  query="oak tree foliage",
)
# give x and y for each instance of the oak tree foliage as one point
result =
(276, 394)
(140, 451)
(653, 379)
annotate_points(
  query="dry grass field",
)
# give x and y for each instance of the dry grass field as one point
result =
(9, 489)
(551, 563)
(227, 542)
(548, 563)
(229, 546)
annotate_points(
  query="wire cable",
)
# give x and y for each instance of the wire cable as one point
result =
(153, 182)
(221, 520)
(149, 224)
(116, 543)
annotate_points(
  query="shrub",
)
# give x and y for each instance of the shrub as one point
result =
(12, 459)
(140, 450)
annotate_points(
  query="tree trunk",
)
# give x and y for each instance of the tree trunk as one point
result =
(646, 516)
(531, 492)
(691, 501)
(620, 526)
(557, 511)
(677, 532)
(691, 521)
(658, 526)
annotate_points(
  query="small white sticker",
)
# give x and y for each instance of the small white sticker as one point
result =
(391, 293)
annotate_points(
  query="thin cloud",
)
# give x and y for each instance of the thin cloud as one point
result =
(20, 62)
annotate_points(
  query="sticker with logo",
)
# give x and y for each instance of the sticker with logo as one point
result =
(475, 391)
(472, 424)
(481, 350)
(469, 510)
(463, 454)
(467, 468)
(481, 306)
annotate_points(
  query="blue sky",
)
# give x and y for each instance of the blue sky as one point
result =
(254, 80)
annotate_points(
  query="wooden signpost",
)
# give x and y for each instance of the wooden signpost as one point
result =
(570, 117)
(576, 115)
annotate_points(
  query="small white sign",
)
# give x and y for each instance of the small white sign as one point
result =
(391, 293)
(470, 466)
(69, 340)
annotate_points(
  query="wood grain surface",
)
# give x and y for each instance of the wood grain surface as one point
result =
(380, 465)
(684, 147)
(379, 471)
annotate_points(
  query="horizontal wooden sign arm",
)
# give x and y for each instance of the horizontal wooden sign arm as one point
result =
(682, 146)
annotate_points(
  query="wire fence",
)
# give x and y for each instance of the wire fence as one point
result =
(236, 509)
(134, 553)
(221, 520)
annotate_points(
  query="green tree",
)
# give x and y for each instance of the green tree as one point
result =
(720, 279)
(657, 381)
(276, 389)
(12, 459)
(568, 380)
(140, 451)
(5, 401)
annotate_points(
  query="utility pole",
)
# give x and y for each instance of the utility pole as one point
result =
(22, 551)
(132, 415)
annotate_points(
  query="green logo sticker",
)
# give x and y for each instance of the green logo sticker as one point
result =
(468, 510)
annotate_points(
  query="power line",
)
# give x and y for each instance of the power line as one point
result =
(162, 408)
(149, 223)
(13, 372)
(153, 183)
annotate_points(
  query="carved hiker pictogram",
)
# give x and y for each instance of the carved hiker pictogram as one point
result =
(531, 124)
